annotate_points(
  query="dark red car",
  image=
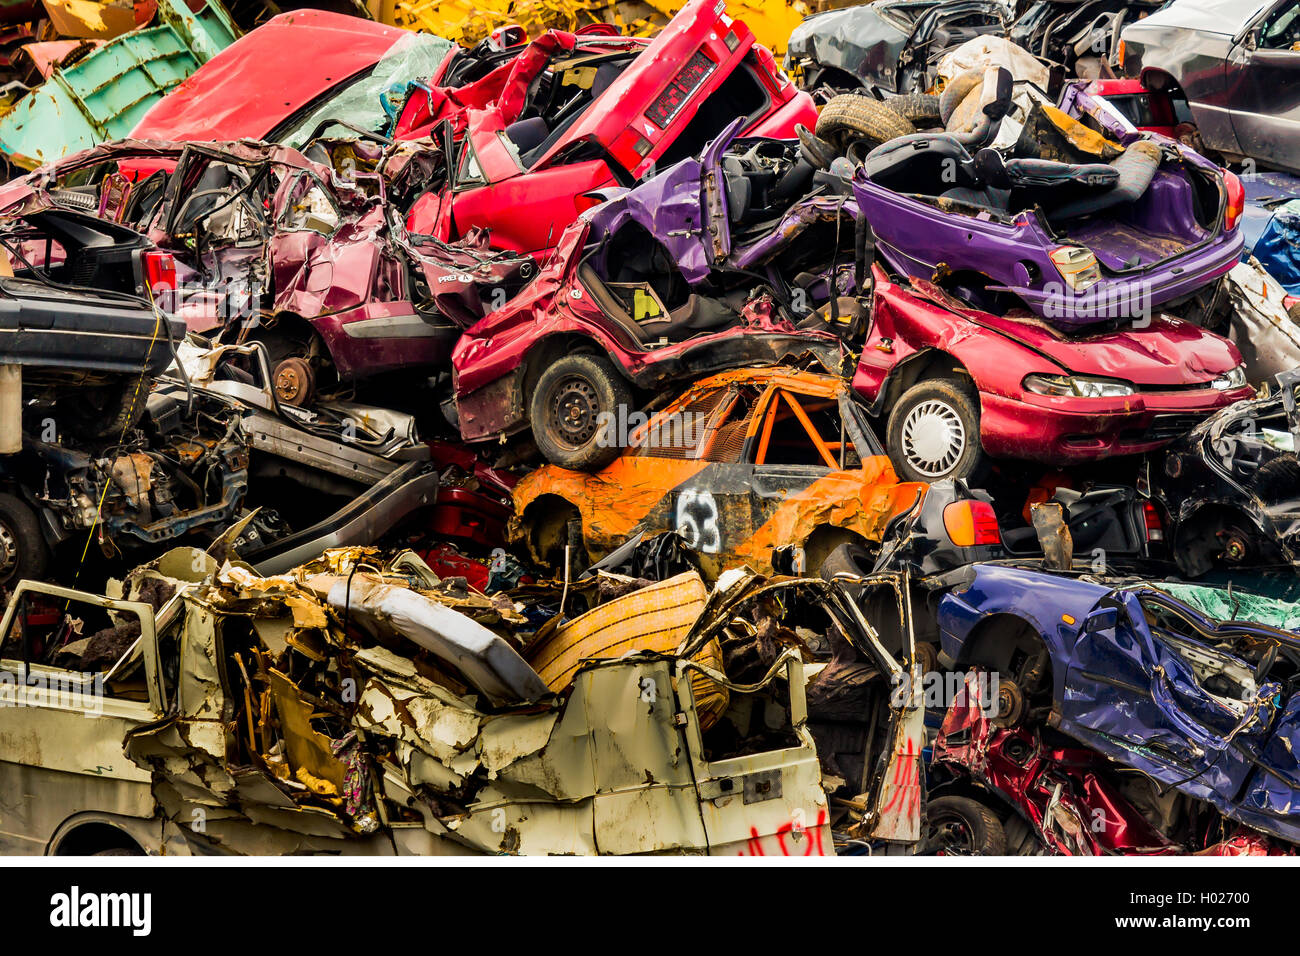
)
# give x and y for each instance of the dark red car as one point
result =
(960, 386)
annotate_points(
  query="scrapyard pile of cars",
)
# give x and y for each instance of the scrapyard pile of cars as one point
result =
(602, 443)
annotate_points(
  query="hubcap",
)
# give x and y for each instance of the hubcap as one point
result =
(933, 438)
(575, 409)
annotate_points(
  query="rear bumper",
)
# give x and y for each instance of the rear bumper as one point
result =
(1136, 296)
(1067, 431)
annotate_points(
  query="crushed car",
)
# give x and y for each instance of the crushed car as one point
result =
(1084, 232)
(540, 136)
(1230, 486)
(230, 723)
(1226, 61)
(740, 463)
(958, 387)
(1191, 685)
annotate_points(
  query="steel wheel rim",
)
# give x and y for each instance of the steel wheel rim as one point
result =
(575, 410)
(933, 437)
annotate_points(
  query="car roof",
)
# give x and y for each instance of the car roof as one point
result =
(819, 384)
(1224, 17)
(251, 87)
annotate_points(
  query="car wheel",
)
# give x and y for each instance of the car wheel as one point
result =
(960, 826)
(851, 118)
(23, 551)
(572, 400)
(934, 432)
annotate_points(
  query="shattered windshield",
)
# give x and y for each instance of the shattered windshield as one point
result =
(413, 56)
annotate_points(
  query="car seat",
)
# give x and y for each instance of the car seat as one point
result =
(931, 163)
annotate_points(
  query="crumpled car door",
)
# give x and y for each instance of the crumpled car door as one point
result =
(1154, 701)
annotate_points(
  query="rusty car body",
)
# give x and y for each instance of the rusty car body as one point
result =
(740, 463)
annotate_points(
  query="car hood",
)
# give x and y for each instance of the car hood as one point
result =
(1224, 17)
(1168, 352)
(249, 88)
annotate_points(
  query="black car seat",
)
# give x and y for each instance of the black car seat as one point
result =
(527, 134)
(933, 163)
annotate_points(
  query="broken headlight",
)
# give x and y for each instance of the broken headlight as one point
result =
(1077, 386)
(1230, 380)
(1077, 266)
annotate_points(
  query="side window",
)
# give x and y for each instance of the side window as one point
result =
(678, 432)
(725, 442)
(1282, 29)
(74, 650)
(802, 430)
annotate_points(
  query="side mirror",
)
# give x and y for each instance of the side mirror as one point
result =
(1101, 619)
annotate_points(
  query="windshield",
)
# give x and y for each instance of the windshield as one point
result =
(360, 100)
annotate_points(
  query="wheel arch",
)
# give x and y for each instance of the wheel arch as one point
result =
(89, 832)
(930, 362)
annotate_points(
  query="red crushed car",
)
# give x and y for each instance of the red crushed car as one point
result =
(960, 386)
(572, 114)
(567, 353)
(272, 81)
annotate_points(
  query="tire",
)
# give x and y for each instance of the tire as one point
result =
(23, 551)
(919, 109)
(104, 411)
(960, 826)
(118, 851)
(851, 118)
(934, 432)
(566, 409)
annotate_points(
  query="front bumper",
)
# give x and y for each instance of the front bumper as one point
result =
(1065, 431)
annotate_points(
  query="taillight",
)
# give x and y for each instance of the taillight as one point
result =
(1119, 55)
(1155, 528)
(1236, 201)
(970, 523)
(159, 270)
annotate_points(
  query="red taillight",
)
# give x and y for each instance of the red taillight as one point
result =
(1236, 201)
(970, 523)
(587, 201)
(159, 270)
(1155, 528)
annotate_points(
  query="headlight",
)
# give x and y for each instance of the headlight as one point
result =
(1077, 386)
(1230, 380)
(1077, 266)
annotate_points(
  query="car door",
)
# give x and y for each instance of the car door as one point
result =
(1263, 87)
(73, 681)
(806, 469)
(1142, 687)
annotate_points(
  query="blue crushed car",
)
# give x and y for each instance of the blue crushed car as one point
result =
(1194, 686)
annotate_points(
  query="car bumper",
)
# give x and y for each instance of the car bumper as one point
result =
(1134, 297)
(1066, 431)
